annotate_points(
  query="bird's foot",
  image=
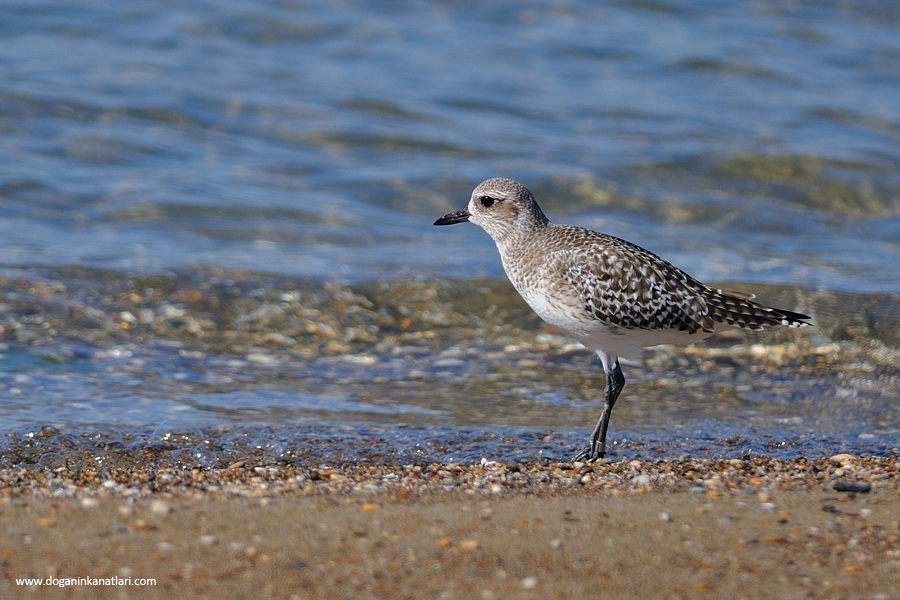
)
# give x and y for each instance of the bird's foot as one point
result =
(581, 456)
(591, 453)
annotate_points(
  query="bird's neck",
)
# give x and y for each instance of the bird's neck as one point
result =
(519, 238)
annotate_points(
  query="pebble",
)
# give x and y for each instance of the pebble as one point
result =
(761, 477)
(278, 339)
(89, 502)
(856, 487)
(842, 459)
(529, 583)
(261, 359)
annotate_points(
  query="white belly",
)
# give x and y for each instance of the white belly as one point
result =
(603, 337)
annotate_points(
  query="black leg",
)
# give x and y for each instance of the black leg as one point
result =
(615, 381)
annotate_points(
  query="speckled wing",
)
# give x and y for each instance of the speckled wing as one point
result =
(623, 285)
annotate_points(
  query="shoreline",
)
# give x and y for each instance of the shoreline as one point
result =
(696, 528)
(92, 356)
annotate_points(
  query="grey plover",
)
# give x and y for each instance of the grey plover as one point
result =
(611, 295)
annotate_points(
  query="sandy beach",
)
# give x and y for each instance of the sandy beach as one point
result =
(756, 528)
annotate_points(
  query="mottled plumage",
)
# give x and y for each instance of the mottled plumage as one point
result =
(613, 296)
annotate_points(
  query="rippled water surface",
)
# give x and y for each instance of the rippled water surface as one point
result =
(747, 142)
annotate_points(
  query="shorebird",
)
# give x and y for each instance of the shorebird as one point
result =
(611, 295)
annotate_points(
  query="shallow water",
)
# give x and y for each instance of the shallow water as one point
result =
(754, 143)
(223, 367)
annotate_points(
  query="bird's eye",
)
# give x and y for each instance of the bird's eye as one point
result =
(487, 201)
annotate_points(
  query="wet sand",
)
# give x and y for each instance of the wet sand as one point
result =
(757, 528)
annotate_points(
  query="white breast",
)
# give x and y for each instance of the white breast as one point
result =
(572, 320)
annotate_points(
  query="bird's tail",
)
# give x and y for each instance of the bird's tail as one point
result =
(737, 309)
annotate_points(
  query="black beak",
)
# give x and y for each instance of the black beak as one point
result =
(460, 216)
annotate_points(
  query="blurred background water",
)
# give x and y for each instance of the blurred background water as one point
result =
(751, 141)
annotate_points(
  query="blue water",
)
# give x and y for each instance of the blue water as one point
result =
(321, 140)
(743, 141)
